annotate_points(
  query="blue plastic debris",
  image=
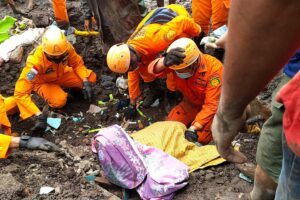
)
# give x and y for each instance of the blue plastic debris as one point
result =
(54, 122)
(246, 178)
(77, 119)
(90, 178)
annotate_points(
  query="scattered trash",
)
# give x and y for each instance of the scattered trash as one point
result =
(155, 103)
(117, 115)
(111, 97)
(220, 31)
(94, 130)
(245, 178)
(77, 119)
(122, 103)
(95, 109)
(6, 23)
(26, 38)
(101, 103)
(140, 124)
(54, 122)
(90, 178)
(122, 84)
(46, 190)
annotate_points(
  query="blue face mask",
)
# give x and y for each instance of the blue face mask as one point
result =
(184, 75)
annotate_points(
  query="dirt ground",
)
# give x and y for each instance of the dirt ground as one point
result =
(25, 172)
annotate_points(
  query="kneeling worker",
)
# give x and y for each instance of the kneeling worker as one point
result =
(52, 65)
(152, 36)
(198, 77)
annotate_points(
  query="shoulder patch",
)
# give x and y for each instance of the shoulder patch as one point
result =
(32, 74)
(170, 35)
(214, 81)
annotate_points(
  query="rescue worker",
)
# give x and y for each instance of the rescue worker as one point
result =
(61, 14)
(8, 105)
(215, 11)
(152, 36)
(52, 65)
(198, 77)
(116, 19)
(249, 65)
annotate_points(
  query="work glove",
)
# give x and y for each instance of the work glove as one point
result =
(191, 135)
(174, 57)
(130, 112)
(36, 143)
(87, 91)
(40, 124)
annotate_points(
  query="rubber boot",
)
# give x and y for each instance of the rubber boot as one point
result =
(264, 187)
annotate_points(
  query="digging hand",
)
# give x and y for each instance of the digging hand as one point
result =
(40, 124)
(224, 130)
(36, 143)
(130, 112)
(174, 57)
(87, 91)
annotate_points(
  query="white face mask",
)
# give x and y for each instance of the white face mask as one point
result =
(184, 75)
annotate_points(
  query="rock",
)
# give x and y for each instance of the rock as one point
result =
(57, 190)
(40, 19)
(220, 181)
(17, 55)
(84, 165)
(10, 188)
(209, 176)
(202, 172)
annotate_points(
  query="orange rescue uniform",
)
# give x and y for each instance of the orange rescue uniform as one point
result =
(215, 10)
(153, 35)
(46, 78)
(60, 10)
(201, 94)
(7, 105)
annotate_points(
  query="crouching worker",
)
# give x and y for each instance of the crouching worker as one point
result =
(198, 77)
(152, 36)
(52, 65)
(8, 105)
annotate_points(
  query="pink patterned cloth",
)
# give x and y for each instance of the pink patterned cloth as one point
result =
(129, 164)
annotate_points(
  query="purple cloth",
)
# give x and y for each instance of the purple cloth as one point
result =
(129, 164)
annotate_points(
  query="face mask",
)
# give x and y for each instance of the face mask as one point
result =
(184, 75)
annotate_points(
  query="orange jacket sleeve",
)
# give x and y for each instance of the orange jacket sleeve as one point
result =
(4, 145)
(134, 84)
(213, 91)
(75, 61)
(185, 25)
(24, 86)
(3, 117)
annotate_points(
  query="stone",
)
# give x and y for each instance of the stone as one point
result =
(10, 188)
(84, 165)
(209, 176)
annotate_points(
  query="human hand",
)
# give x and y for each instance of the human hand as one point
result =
(36, 143)
(224, 130)
(174, 57)
(87, 91)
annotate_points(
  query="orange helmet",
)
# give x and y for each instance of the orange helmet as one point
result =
(54, 42)
(192, 52)
(118, 58)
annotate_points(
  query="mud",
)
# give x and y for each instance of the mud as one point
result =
(30, 170)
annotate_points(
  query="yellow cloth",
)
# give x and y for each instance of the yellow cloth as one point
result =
(169, 137)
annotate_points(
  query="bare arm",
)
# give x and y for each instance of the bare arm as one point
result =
(262, 36)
